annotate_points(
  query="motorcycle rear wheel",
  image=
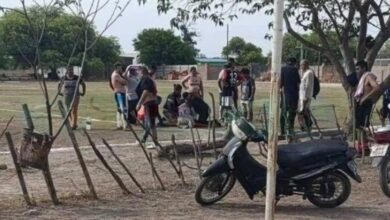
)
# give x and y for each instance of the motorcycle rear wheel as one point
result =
(384, 176)
(219, 185)
(329, 191)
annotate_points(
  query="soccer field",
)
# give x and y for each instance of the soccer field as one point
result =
(99, 104)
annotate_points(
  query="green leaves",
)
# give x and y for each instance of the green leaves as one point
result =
(158, 46)
(62, 33)
(244, 52)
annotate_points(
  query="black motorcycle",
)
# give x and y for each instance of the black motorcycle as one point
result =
(316, 170)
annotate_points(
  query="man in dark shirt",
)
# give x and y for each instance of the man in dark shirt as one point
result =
(289, 87)
(147, 92)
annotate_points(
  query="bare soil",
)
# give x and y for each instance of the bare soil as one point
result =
(177, 202)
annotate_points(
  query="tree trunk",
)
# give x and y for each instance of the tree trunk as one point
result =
(186, 147)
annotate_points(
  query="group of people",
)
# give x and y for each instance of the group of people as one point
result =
(137, 97)
(229, 80)
(296, 96)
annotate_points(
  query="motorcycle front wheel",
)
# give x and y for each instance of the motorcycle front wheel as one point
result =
(330, 190)
(213, 188)
(384, 176)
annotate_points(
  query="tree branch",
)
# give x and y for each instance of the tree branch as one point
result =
(299, 37)
(333, 20)
(379, 13)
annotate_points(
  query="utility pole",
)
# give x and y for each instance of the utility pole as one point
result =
(270, 201)
(227, 39)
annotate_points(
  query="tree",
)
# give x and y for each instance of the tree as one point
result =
(385, 51)
(347, 19)
(245, 52)
(158, 46)
(292, 48)
(108, 50)
(60, 40)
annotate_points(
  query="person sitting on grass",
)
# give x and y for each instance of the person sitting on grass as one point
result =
(186, 119)
(171, 106)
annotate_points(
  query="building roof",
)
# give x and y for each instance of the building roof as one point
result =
(211, 60)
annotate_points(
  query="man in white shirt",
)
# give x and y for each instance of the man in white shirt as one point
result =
(305, 95)
(131, 94)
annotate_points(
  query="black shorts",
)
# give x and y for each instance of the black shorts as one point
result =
(363, 113)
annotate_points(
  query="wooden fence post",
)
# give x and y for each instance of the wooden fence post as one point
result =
(46, 169)
(104, 162)
(18, 169)
(123, 165)
(274, 110)
(77, 150)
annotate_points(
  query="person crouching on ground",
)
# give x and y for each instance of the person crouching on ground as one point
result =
(68, 86)
(193, 84)
(118, 84)
(248, 89)
(171, 106)
(305, 96)
(186, 119)
(131, 94)
(147, 93)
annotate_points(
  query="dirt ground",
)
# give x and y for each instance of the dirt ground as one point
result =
(177, 202)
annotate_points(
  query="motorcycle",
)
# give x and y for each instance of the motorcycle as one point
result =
(381, 157)
(317, 170)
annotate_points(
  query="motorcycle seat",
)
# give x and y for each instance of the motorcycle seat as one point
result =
(296, 154)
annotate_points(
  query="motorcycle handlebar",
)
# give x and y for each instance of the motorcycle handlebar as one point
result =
(257, 138)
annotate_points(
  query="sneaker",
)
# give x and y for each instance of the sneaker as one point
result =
(151, 146)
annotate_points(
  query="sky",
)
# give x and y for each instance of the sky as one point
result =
(211, 40)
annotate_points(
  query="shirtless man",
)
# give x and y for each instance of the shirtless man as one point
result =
(367, 83)
(118, 85)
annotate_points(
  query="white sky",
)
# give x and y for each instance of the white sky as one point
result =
(211, 38)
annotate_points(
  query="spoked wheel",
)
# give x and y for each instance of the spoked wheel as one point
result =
(213, 188)
(384, 176)
(329, 191)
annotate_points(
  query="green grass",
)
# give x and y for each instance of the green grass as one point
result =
(99, 103)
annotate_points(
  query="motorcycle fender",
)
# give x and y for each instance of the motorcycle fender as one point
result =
(351, 171)
(219, 166)
(377, 161)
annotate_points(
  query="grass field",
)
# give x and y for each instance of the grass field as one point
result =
(177, 202)
(99, 103)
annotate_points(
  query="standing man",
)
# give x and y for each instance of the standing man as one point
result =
(289, 87)
(248, 90)
(70, 89)
(306, 90)
(147, 93)
(118, 85)
(131, 95)
(228, 81)
(367, 83)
